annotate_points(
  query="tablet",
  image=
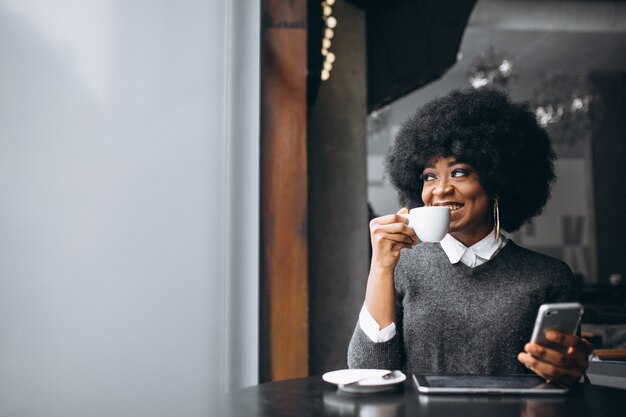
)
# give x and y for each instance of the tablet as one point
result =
(485, 384)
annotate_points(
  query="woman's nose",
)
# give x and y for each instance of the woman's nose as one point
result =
(443, 187)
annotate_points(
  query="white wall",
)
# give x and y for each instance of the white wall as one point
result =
(128, 205)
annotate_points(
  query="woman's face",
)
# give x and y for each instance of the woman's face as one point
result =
(454, 184)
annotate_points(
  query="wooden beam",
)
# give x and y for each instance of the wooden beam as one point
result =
(284, 278)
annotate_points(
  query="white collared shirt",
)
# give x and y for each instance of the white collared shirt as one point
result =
(477, 254)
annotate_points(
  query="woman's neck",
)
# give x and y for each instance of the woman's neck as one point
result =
(469, 239)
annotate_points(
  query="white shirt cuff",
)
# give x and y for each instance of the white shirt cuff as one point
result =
(372, 329)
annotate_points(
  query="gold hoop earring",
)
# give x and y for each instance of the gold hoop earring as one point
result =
(496, 219)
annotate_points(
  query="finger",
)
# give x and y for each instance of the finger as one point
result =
(565, 339)
(411, 232)
(576, 348)
(397, 238)
(570, 344)
(383, 230)
(385, 235)
(526, 360)
(389, 219)
(393, 228)
(557, 375)
(550, 372)
(570, 358)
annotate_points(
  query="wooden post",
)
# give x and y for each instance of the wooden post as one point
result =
(284, 278)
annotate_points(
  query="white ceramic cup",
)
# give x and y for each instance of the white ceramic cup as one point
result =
(430, 223)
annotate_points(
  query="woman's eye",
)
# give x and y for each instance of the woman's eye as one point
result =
(428, 177)
(459, 173)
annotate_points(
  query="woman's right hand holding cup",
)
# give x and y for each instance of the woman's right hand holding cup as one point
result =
(390, 234)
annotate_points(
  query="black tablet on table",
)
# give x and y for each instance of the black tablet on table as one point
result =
(485, 384)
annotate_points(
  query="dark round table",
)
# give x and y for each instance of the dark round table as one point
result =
(313, 397)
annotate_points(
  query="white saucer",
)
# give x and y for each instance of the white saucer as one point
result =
(375, 382)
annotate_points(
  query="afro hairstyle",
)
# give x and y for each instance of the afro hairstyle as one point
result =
(502, 140)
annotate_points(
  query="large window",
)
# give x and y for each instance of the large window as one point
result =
(129, 216)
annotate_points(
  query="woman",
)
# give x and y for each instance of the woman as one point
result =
(468, 303)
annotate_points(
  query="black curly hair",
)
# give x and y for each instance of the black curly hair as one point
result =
(500, 139)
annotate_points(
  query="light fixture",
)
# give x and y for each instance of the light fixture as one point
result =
(493, 68)
(569, 107)
(330, 23)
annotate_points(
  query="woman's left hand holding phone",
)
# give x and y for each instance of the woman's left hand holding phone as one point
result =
(563, 362)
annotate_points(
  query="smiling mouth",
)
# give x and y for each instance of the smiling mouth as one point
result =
(452, 206)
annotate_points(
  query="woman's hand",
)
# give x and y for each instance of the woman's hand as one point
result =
(563, 362)
(390, 234)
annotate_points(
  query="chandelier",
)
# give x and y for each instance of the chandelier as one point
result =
(493, 68)
(569, 107)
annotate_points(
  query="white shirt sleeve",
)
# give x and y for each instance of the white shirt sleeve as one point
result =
(372, 329)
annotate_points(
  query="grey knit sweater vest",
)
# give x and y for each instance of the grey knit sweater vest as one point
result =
(455, 319)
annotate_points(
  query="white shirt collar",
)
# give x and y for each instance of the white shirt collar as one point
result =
(477, 254)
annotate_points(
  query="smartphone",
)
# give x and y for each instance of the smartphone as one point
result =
(560, 316)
